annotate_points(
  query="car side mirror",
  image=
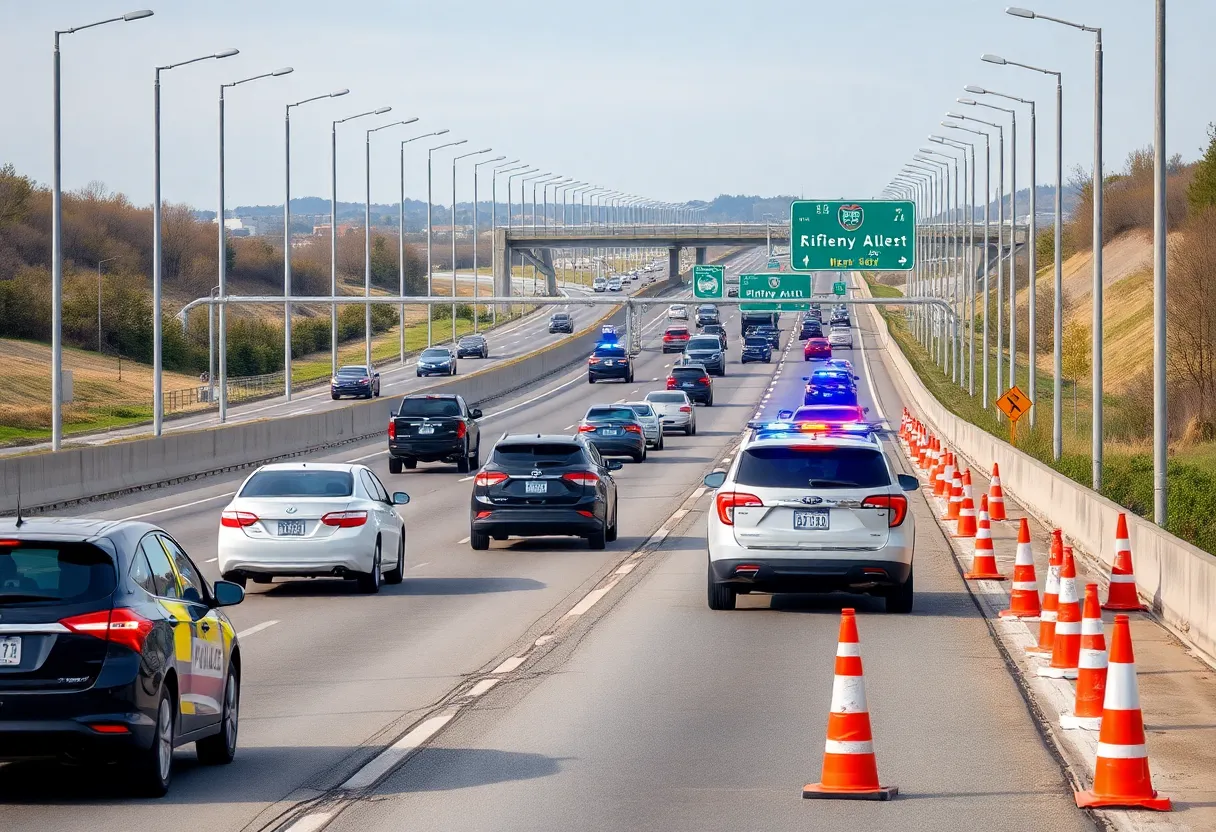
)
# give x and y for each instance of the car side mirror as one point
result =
(614, 464)
(806, 378)
(475, 413)
(856, 378)
(227, 594)
(865, 410)
(400, 498)
(714, 479)
(908, 482)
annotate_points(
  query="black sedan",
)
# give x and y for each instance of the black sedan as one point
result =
(614, 430)
(113, 648)
(538, 485)
(436, 361)
(355, 381)
(770, 333)
(810, 328)
(473, 346)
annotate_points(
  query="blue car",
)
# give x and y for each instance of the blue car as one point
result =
(757, 348)
(830, 385)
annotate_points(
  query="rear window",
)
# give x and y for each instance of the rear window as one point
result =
(755, 342)
(812, 467)
(610, 413)
(703, 343)
(352, 371)
(677, 330)
(538, 453)
(429, 407)
(688, 372)
(666, 398)
(41, 572)
(642, 409)
(315, 483)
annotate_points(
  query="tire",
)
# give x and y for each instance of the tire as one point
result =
(409, 464)
(394, 465)
(462, 464)
(369, 582)
(597, 540)
(419, 374)
(220, 749)
(639, 457)
(479, 541)
(610, 535)
(235, 578)
(397, 574)
(899, 599)
(334, 396)
(710, 403)
(688, 430)
(590, 378)
(475, 460)
(662, 441)
(719, 596)
(152, 768)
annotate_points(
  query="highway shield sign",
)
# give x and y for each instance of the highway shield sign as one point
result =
(861, 235)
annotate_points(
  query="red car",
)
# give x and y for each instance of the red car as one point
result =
(675, 339)
(816, 349)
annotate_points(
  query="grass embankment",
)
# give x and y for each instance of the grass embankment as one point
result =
(1127, 469)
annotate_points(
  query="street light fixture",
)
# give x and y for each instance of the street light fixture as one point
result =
(401, 242)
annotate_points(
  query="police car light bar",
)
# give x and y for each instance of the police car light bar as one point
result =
(782, 426)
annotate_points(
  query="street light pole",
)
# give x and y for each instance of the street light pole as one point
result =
(430, 236)
(1160, 217)
(476, 276)
(57, 228)
(401, 243)
(158, 398)
(456, 159)
(495, 173)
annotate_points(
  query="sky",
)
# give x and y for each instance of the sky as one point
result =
(667, 100)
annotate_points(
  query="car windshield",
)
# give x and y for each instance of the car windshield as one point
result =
(703, 343)
(642, 409)
(560, 317)
(666, 398)
(755, 342)
(812, 466)
(475, 340)
(299, 483)
(429, 407)
(600, 414)
(358, 372)
(435, 354)
(53, 572)
(828, 414)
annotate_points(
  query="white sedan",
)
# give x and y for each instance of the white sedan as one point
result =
(313, 520)
(677, 312)
(841, 336)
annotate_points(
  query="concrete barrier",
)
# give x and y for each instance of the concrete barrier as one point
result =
(1177, 579)
(46, 480)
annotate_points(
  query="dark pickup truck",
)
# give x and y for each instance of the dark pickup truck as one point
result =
(434, 428)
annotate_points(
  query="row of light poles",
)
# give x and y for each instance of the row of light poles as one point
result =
(919, 181)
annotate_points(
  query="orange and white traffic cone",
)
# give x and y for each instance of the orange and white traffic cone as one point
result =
(1122, 593)
(1051, 595)
(967, 492)
(1066, 642)
(1121, 775)
(966, 521)
(939, 468)
(850, 770)
(926, 451)
(983, 562)
(941, 487)
(996, 497)
(1091, 675)
(955, 504)
(1024, 595)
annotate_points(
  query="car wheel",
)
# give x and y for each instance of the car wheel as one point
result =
(419, 373)
(334, 396)
(394, 465)
(409, 464)
(462, 464)
(369, 582)
(661, 442)
(720, 596)
(235, 578)
(152, 768)
(597, 540)
(899, 599)
(475, 460)
(397, 573)
(710, 402)
(479, 540)
(610, 535)
(219, 749)
(590, 378)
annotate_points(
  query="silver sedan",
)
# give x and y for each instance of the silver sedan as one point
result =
(652, 425)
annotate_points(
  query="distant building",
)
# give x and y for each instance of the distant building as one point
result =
(322, 229)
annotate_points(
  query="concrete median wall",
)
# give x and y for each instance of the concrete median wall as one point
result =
(46, 480)
(1177, 579)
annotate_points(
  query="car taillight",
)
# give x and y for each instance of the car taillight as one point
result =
(685, 408)
(121, 626)
(727, 500)
(581, 478)
(461, 430)
(704, 379)
(482, 515)
(344, 519)
(488, 478)
(586, 428)
(671, 382)
(897, 503)
(666, 336)
(392, 428)
(593, 360)
(238, 519)
(633, 428)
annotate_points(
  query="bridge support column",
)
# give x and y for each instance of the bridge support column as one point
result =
(502, 268)
(673, 264)
(701, 255)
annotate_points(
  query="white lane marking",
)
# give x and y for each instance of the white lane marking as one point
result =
(544, 395)
(420, 565)
(462, 541)
(678, 515)
(626, 568)
(590, 599)
(510, 664)
(395, 753)
(659, 536)
(211, 560)
(311, 823)
(180, 506)
(544, 640)
(256, 628)
(568, 427)
(366, 456)
(466, 479)
(656, 378)
(481, 687)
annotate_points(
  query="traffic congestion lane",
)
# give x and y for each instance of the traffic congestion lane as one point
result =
(661, 714)
(324, 662)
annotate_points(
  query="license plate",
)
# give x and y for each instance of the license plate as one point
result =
(609, 363)
(291, 527)
(814, 519)
(531, 487)
(610, 432)
(426, 429)
(10, 651)
(688, 384)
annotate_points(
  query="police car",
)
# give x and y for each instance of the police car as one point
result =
(811, 506)
(609, 359)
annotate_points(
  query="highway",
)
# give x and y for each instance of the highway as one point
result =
(642, 711)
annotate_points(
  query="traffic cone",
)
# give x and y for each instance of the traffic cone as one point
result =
(1121, 775)
(966, 521)
(850, 770)
(955, 504)
(983, 562)
(1122, 593)
(967, 492)
(1024, 595)
(1066, 642)
(1091, 675)
(996, 497)
(941, 486)
(935, 473)
(1051, 595)
(926, 449)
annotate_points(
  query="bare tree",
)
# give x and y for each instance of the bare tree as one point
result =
(1192, 318)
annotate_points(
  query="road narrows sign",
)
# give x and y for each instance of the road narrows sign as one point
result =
(861, 235)
(707, 282)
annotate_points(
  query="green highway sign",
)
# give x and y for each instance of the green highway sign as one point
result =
(774, 263)
(863, 235)
(839, 288)
(707, 281)
(786, 286)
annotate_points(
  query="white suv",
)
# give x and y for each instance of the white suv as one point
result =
(810, 512)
